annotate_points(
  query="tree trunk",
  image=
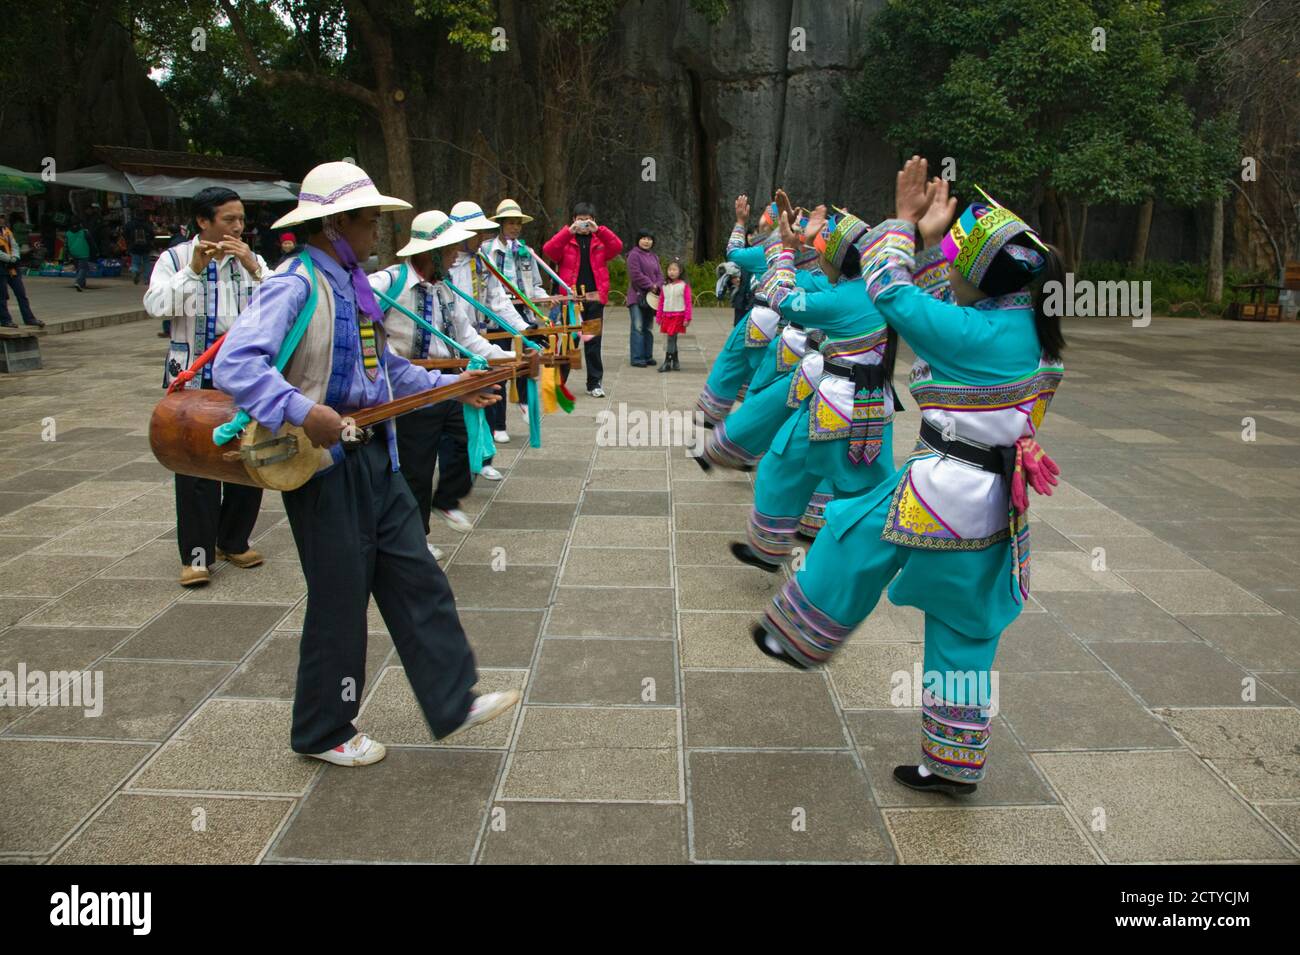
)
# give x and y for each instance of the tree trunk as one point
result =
(1214, 274)
(1142, 234)
(401, 176)
(1078, 244)
(1066, 232)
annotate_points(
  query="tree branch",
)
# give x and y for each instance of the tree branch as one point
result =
(279, 77)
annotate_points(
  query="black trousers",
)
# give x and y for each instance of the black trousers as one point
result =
(590, 350)
(211, 514)
(435, 435)
(358, 534)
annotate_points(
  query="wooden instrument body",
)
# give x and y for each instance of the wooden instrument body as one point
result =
(180, 433)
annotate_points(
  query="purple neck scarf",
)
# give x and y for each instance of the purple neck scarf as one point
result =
(360, 284)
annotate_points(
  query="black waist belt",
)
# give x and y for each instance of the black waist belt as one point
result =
(862, 376)
(996, 460)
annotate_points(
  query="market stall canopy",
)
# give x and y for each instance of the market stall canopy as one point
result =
(13, 181)
(152, 172)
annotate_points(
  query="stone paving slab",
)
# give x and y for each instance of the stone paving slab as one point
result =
(1148, 693)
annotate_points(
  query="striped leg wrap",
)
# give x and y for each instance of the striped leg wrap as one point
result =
(803, 631)
(954, 740)
(713, 406)
(724, 452)
(772, 538)
(814, 517)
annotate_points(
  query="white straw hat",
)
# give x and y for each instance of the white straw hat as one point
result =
(433, 230)
(335, 187)
(468, 215)
(509, 209)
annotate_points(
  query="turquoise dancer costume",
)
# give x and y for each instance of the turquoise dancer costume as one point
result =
(842, 429)
(747, 345)
(943, 531)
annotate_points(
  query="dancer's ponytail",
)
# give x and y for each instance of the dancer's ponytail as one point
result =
(1047, 325)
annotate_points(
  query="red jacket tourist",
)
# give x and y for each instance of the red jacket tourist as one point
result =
(562, 249)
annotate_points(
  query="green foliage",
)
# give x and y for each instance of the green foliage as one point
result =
(1016, 93)
(1177, 288)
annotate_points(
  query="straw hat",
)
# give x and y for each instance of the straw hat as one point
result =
(334, 187)
(652, 299)
(432, 230)
(509, 209)
(468, 215)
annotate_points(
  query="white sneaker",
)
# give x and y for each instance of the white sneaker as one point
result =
(501, 437)
(437, 554)
(457, 520)
(491, 473)
(488, 707)
(360, 750)
(597, 392)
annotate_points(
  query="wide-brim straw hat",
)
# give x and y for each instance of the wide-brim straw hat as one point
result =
(334, 187)
(652, 299)
(468, 215)
(433, 230)
(509, 209)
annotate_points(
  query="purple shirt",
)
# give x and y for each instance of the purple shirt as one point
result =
(245, 365)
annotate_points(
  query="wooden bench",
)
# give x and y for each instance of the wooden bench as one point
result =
(1258, 310)
(20, 348)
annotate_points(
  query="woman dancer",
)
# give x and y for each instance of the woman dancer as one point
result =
(950, 532)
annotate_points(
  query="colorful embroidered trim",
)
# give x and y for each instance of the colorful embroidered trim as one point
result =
(713, 406)
(772, 538)
(803, 631)
(337, 194)
(954, 741)
(814, 515)
(725, 453)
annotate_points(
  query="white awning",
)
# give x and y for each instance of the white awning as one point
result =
(109, 179)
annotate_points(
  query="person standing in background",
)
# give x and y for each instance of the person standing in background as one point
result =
(581, 252)
(643, 277)
(11, 277)
(80, 245)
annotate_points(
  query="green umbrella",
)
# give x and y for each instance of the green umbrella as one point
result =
(22, 183)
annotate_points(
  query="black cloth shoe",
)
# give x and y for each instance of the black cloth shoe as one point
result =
(650, 362)
(705, 465)
(759, 633)
(911, 777)
(745, 554)
(36, 324)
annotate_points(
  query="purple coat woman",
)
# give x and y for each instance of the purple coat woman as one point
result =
(644, 276)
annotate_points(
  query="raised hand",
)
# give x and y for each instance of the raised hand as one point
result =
(202, 254)
(742, 209)
(913, 194)
(938, 217)
(783, 205)
(789, 238)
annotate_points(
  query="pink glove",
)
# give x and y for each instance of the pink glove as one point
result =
(1035, 468)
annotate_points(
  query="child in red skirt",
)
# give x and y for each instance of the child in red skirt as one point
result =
(673, 312)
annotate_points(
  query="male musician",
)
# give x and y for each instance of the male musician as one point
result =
(514, 260)
(417, 285)
(201, 285)
(469, 274)
(355, 523)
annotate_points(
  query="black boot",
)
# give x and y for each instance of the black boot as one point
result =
(667, 365)
(759, 633)
(745, 554)
(677, 365)
(911, 777)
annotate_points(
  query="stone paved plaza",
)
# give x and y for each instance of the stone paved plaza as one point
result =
(1148, 696)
